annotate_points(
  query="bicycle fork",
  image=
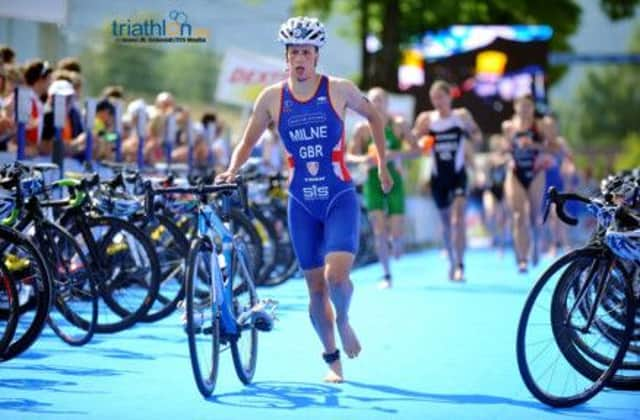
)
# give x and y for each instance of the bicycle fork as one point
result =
(220, 262)
(599, 293)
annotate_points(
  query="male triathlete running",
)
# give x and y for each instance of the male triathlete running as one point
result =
(386, 211)
(308, 109)
(448, 129)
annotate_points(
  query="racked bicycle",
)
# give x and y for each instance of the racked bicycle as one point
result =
(579, 318)
(221, 303)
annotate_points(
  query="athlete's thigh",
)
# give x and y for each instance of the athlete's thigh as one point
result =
(515, 193)
(536, 192)
(378, 220)
(342, 224)
(441, 192)
(489, 204)
(372, 192)
(307, 236)
(396, 197)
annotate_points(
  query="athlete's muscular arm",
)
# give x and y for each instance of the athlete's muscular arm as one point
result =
(256, 125)
(407, 135)
(507, 132)
(550, 144)
(421, 127)
(469, 155)
(355, 100)
(356, 152)
(471, 126)
(403, 131)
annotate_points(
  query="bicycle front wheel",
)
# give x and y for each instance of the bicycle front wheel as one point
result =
(202, 320)
(548, 328)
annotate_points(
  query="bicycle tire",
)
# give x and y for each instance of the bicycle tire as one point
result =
(171, 286)
(521, 351)
(206, 377)
(615, 335)
(8, 304)
(113, 317)
(69, 284)
(242, 282)
(240, 224)
(286, 263)
(270, 243)
(38, 273)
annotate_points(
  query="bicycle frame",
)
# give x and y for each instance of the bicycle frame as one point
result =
(210, 225)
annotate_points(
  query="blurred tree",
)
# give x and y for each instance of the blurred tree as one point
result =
(396, 23)
(190, 71)
(134, 66)
(630, 153)
(619, 9)
(605, 109)
(604, 113)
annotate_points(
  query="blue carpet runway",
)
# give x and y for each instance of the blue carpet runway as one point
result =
(431, 349)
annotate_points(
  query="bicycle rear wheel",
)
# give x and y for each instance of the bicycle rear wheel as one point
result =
(241, 225)
(202, 316)
(8, 307)
(25, 267)
(545, 351)
(263, 223)
(171, 246)
(74, 313)
(125, 265)
(286, 264)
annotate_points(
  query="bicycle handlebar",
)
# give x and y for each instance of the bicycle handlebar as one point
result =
(201, 190)
(559, 199)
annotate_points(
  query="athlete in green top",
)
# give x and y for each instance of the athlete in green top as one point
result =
(386, 211)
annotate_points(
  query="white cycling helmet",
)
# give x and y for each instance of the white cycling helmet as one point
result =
(301, 30)
(625, 244)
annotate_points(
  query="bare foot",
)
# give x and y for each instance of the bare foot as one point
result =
(384, 284)
(522, 267)
(350, 342)
(458, 274)
(335, 373)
